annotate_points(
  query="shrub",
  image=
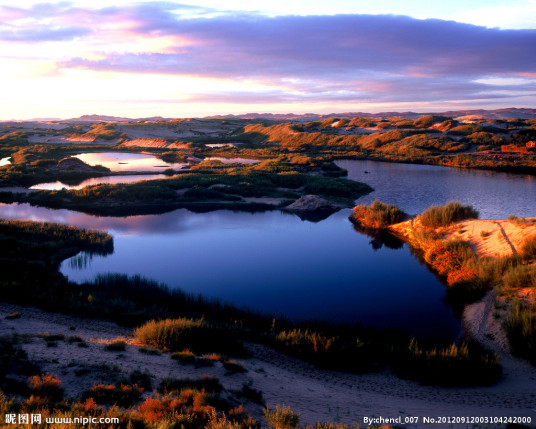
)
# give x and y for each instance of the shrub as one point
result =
(189, 409)
(528, 249)
(207, 383)
(377, 215)
(45, 386)
(456, 365)
(305, 341)
(122, 395)
(117, 345)
(520, 327)
(521, 276)
(281, 418)
(234, 367)
(441, 216)
(179, 334)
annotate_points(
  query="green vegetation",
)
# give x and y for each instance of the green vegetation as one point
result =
(281, 418)
(117, 345)
(199, 336)
(207, 383)
(49, 243)
(123, 395)
(209, 185)
(378, 215)
(520, 326)
(441, 216)
(528, 251)
(451, 366)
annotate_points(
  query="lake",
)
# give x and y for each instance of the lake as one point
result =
(275, 262)
(414, 188)
(270, 261)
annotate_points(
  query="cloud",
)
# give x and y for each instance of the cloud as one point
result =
(248, 45)
(298, 58)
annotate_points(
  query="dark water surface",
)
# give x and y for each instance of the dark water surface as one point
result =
(277, 263)
(268, 261)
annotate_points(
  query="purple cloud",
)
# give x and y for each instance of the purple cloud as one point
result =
(341, 57)
(254, 46)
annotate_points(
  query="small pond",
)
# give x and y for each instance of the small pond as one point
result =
(124, 162)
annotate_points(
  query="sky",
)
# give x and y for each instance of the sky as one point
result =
(207, 57)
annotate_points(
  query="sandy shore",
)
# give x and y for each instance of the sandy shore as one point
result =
(316, 394)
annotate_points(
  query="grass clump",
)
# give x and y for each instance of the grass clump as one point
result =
(123, 395)
(234, 367)
(528, 249)
(441, 216)
(45, 386)
(196, 335)
(207, 383)
(281, 418)
(520, 327)
(13, 316)
(117, 345)
(378, 215)
(456, 365)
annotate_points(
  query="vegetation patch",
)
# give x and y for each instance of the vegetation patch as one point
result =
(178, 334)
(377, 216)
(123, 395)
(441, 216)
(456, 365)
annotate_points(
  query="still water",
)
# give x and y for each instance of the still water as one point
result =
(269, 261)
(277, 263)
(106, 180)
(123, 162)
(414, 188)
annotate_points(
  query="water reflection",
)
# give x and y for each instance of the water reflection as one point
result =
(119, 162)
(107, 180)
(269, 261)
(232, 160)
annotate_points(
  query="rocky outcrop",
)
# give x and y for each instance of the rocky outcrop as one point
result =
(311, 203)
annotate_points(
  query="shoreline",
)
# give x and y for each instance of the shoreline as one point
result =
(315, 394)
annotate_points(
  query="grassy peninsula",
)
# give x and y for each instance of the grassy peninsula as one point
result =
(475, 257)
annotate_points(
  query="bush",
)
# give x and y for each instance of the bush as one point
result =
(305, 341)
(378, 215)
(520, 327)
(117, 345)
(441, 216)
(281, 418)
(528, 250)
(207, 383)
(45, 386)
(198, 336)
(122, 395)
(451, 366)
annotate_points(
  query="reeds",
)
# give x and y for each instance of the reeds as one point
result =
(441, 216)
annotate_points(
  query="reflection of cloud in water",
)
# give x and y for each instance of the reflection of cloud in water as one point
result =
(170, 223)
(119, 161)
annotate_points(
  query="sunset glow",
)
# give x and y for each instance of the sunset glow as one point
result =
(207, 57)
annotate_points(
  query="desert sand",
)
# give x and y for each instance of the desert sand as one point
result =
(316, 394)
